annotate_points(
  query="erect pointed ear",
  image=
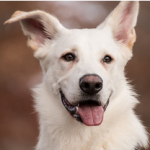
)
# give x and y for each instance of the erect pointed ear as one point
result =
(122, 22)
(39, 26)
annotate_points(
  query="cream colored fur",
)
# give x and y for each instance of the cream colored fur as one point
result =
(121, 129)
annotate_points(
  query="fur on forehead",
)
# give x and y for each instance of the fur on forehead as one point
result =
(85, 42)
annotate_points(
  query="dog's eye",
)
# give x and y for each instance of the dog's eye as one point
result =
(107, 59)
(69, 57)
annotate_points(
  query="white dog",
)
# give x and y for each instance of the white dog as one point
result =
(85, 101)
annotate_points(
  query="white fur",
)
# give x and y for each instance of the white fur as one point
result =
(121, 129)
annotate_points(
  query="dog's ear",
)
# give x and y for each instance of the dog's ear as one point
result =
(38, 26)
(122, 22)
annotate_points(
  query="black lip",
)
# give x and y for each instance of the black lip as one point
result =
(105, 106)
(72, 108)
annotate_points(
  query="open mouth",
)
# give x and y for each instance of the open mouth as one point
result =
(89, 112)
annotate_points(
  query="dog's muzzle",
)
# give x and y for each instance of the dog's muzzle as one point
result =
(89, 112)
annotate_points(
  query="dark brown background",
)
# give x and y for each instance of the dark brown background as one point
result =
(20, 71)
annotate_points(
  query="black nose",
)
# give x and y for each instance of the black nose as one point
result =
(91, 84)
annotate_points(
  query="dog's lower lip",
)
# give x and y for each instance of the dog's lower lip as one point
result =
(71, 108)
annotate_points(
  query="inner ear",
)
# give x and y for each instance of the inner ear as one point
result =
(36, 27)
(125, 27)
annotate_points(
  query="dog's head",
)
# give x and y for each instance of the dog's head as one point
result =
(85, 67)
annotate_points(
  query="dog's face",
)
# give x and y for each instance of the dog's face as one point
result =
(84, 66)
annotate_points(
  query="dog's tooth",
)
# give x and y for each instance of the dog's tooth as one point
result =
(77, 108)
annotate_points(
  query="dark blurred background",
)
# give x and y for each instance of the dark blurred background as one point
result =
(20, 71)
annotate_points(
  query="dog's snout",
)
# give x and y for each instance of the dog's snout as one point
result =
(91, 84)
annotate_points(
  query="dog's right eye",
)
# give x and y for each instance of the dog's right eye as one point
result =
(69, 57)
(107, 59)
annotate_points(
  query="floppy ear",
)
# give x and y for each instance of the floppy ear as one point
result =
(122, 22)
(39, 26)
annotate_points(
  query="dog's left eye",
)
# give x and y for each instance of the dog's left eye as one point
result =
(107, 59)
(69, 57)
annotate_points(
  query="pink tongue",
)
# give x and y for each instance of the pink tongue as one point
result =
(91, 115)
